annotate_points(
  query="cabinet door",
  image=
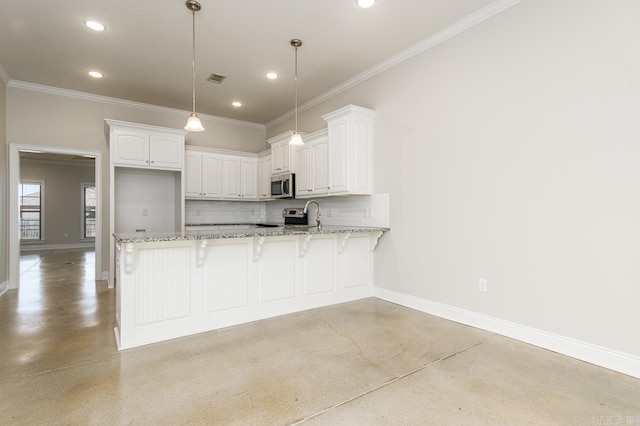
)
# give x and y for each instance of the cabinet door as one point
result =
(285, 157)
(166, 151)
(193, 174)
(231, 177)
(303, 177)
(264, 178)
(211, 176)
(338, 157)
(276, 163)
(130, 147)
(249, 180)
(320, 168)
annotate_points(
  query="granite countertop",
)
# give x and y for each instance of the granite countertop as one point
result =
(239, 231)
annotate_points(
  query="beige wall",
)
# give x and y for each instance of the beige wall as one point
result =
(512, 153)
(3, 187)
(37, 118)
(63, 199)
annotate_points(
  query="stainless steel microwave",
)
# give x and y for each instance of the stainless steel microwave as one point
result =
(283, 185)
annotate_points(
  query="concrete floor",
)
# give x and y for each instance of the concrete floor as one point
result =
(365, 362)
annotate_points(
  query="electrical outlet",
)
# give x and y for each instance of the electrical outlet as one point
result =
(482, 285)
(145, 212)
(329, 212)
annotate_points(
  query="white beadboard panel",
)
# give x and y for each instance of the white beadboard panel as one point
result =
(168, 289)
(226, 276)
(163, 292)
(221, 212)
(277, 277)
(355, 262)
(352, 210)
(319, 266)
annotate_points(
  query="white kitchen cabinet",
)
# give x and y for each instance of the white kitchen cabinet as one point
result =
(203, 171)
(240, 178)
(312, 178)
(264, 176)
(283, 155)
(146, 180)
(137, 146)
(169, 289)
(350, 150)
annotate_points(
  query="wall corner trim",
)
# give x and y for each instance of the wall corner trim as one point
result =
(593, 354)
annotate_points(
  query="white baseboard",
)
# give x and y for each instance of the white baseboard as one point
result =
(4, 286)
(34, 247)
(603, 357)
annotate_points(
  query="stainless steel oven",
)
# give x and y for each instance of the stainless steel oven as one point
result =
(283, 185)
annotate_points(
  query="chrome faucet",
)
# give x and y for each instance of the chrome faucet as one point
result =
(318, 217)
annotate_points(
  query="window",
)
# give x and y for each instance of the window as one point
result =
(31, 211)
(88, 210)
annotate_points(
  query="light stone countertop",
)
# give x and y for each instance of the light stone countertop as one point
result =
(239, 231)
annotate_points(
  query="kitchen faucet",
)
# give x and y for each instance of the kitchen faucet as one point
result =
(318, 217)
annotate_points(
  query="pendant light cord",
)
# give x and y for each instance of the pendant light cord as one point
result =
(193, 79)
(295, 79)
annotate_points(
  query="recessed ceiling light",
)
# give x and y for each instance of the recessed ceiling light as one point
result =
(236, 104)
(271, 75)
(365, 4)
(94, 25)
(95, 74)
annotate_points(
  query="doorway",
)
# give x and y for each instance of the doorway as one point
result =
(93, 216)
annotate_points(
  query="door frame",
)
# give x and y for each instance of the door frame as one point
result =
(14, 205)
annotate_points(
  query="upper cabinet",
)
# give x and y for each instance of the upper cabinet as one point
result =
(142, 146)
(215, 174)
(264, 175)
(240, 178)
(350, 150)
(312, 159)
(203, 174)
(282, 154)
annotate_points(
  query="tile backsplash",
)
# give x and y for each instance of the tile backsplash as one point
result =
(354, 210)
(199, 212)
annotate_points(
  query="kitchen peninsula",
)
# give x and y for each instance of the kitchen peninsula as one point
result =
(181, 283)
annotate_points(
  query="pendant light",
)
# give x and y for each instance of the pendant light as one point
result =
(296, 139)
(193, 123)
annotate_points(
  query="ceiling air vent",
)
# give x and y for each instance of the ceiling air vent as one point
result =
(216, 78)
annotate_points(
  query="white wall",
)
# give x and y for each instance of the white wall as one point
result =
(147, 199)
(63, 197)
(4, 275)
(57, 120)
(511, 153)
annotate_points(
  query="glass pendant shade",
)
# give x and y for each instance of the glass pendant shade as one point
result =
(194, 124)
(296, 139)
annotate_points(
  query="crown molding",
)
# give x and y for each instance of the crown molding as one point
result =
(17, 84)
(3, 75)
(451, 31)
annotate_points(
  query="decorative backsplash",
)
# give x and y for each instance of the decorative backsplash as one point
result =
(354, 210)
(213, 212)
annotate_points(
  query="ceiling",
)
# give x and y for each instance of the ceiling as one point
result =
(145, 53)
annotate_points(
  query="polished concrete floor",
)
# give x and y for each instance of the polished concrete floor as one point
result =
(362, 363)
